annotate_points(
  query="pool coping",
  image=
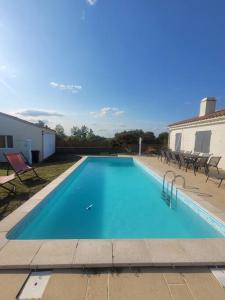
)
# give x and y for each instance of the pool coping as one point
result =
(71, 253)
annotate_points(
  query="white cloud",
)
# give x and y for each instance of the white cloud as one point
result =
(3, 67)
(104, 111)
(66, 87)
(91, 2)
(107, 111)
(38, 113)
(119, 113)
(7, 72)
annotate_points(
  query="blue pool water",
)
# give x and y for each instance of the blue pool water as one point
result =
(111, 198)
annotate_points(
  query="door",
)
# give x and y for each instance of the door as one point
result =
(48, 144)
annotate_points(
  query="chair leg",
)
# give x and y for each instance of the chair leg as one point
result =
(9, 190)
(220, 183)
(7, 169)
(19, 178)
(187, 165)
(195, 169)
(36, 173)
(217, 170)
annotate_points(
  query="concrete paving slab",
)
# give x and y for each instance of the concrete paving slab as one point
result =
(167, 252)
(30, 204)
(131, 252)
(11, 220)
(173, 277)
(66, 285)
(55, 254)
(203, 285)
(97, 287)
(3, 239)
(204, 251)
(97, 253)
(141, 286)
(18, 254)
(180, 291)
(11, 283)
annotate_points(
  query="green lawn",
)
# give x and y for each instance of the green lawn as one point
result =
(48, 171)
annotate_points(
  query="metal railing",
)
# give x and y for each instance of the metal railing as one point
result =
(167, 194)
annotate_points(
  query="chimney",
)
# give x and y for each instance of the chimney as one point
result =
(207, 106)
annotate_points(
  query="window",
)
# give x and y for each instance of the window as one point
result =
(9, 139)
(6, 141)
(2, 141)
(178, 137)
(202, 141)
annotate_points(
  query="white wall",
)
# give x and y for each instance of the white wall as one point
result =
(23, 146)
(21, 131)
(217, 144)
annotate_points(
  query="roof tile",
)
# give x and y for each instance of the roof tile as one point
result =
(216, 114)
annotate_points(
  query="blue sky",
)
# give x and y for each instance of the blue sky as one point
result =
(112, 65)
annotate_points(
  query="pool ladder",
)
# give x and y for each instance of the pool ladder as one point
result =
(167, 193)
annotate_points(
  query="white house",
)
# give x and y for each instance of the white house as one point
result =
(204, 133)
(23, 136)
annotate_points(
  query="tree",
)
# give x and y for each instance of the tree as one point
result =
(148, 137)
(40, 123)
(132, 137)
(91, 135)
(83, 133)
(76, 132)
(59, 130)
(163, 138)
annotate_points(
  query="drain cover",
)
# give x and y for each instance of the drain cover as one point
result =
(220, 275)
(35, 285)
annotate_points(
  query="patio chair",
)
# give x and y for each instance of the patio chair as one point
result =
(174, 157)
(161, 155)
(201, 162)
(19, 164)
(187, 152)
(220, 177)
(213, 162)
(185, 161)
(167, 157)
(196, 153)
(8, 180)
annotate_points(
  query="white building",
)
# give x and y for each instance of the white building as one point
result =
(17, 135)
(205, 133)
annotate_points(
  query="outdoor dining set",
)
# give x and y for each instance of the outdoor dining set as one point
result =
(194, 160)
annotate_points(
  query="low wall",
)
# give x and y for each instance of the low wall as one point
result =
(89, 150)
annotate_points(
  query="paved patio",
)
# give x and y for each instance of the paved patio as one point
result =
(122, 284)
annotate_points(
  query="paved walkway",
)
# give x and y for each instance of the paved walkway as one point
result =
(120, 284)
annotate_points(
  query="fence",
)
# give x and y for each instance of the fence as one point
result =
(129, 149)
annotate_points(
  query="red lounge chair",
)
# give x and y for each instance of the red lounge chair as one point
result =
(18, 164)
(7, 179)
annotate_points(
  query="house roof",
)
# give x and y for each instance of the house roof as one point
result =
(216, 114)
(26, 122)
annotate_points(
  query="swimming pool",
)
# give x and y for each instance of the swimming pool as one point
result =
(114, 198)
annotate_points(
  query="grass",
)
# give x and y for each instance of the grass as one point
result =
(47, 170)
